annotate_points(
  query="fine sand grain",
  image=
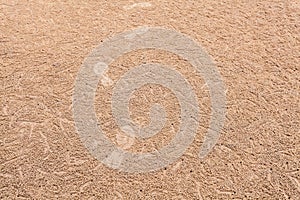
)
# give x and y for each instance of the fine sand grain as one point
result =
(255, 45)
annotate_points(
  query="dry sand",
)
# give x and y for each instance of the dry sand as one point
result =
(255, 45)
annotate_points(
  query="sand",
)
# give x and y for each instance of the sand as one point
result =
(255, 45)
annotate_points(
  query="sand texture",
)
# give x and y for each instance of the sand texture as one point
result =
(255, 46)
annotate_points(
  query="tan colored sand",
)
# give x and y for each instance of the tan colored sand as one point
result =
(256, 47)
